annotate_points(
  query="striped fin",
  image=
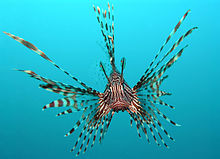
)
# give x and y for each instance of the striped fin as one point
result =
(137, 124)
(90, 135)
(154, 100)
(106, 20)
(38, 77)
(68, 111)
(161, 80)
(173, 47)
(55, 86)
(155, 84)
(42, 54)
(101, 130)
(157, 94)
(144, 129)
(145, 132)
(65, 88)
(89, 132)
(96, 132)
(64, 102)
(108, 121)
(162, 70)
(161, 114)
(83, 119)
(84, 139)
(166, 118)
(56, 89)
(152, 133)
(153, 87)
(161, 138)
(157, 100)
(166, 41)
(141, 123)
(87, 126)
(160, 125)
(153, 117)
(131, 121)
(73, 101)
(80, 135)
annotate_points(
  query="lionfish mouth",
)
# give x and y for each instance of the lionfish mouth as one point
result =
(120, 106)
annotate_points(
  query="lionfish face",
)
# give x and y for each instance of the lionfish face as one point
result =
(118, 96)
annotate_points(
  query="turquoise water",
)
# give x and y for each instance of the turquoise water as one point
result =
(68, 32)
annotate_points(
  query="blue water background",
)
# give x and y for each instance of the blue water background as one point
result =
(68, 32)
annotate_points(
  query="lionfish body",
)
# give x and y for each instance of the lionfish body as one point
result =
(141, 101)
(118, 95)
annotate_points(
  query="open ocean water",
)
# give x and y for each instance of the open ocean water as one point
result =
(68, 32)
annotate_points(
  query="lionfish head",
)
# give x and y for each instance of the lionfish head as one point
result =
(118, 96)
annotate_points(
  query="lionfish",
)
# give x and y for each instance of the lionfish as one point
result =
(141, 102)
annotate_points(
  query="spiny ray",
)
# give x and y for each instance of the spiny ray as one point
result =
(82, 120)
(166, 41)
(58, 90)
(101, 130)
(155, 100)
(161, 127)
(89, 131)
(51, 84)
(131, 121)
(162, 70)
(42, 54)
(96, 132)
(149, 126)
(108, 122)
(122, 69)
(103, 69)
(80, 135)
(152, 133)
(63, 89)
(158, 122)
(107, 30)
(87, 126)
(38, 77)
(143, 126)
(69, 101)
(155, 84)
(154, 117)
(64, 102)
(156, 110)
(90, 135)
(68, 111)
(155, 128)
(137, 125)
(173, 47)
